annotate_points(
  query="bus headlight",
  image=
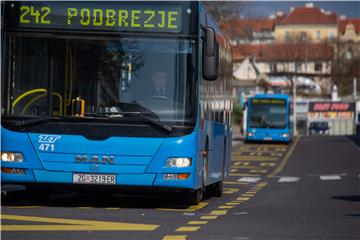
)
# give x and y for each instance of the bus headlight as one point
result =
(11, 157)
(178, 162)
(250, 134)
(284, 135)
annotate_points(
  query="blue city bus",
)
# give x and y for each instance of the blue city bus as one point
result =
(121, 94)
(269, 118)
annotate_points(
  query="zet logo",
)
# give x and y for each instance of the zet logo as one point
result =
(48, 138)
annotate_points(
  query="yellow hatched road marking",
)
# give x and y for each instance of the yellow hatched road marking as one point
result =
(236, 183)
(232, 189)
(192, 208)
(243, 175)
(187, 229)
(243, 198)
(197, 222)
(251, 192)
(71, 225)
(208, 217)
(174, 237)
(225, 207)
(258, 171)
(247, 195)
(218, 212)
(267, 164)
(244, 167)
(232, 203)
(255, 158)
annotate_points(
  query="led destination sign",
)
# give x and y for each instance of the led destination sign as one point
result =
(108, 16)
(268, 101)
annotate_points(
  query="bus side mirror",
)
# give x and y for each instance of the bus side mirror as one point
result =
(210, 55)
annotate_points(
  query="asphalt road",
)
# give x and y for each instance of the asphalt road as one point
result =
(309, 189)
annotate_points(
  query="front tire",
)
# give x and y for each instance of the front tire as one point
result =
(194, 197)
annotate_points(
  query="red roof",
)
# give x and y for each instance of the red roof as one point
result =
(308, 15)
(283, 52)
(242, 27)
(343, 23)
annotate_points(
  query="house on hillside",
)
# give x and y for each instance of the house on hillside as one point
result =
(308, 23)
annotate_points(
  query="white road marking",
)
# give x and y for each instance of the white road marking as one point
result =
(330, 177)
(289, 179)
(249, 179)
(352, 143)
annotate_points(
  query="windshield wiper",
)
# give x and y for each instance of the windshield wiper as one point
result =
(140, 115)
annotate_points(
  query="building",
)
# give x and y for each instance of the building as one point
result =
(308, 23)
(250, 31)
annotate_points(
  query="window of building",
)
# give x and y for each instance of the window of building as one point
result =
(318, 35)
(303, 36)
(318, 67)
(331, 35)
(273, 67)
(287, 36)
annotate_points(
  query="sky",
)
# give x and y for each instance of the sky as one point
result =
(256, 9)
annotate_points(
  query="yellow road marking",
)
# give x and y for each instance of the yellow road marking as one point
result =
(236, 183)
(24, 207)
(192, 208)
(243, 175)
(174, 237)
(197, 222)
(255, 158)
(258, 171)
(225, 207)
(285, 159)
(187, 229)
(232, 189)
(218, 212)
(243, 198)
(243, 167)
(251, 192)
(232, 203)
(208, 217)
(71, 225)
(84, 207)
(247, 195)
(267, 164)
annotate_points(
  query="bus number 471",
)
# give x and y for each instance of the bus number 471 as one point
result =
(47, 147)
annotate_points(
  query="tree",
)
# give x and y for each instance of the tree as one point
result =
(345, 66)
(224, 10)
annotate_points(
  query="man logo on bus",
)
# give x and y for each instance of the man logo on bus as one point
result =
(94, 159)
(48, 138)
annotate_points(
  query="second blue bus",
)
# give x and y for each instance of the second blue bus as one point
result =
(269, 118)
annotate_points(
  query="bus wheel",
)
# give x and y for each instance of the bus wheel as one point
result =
(217, 189)
(194, 197)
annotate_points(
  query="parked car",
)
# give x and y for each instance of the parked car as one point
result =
(321, 128)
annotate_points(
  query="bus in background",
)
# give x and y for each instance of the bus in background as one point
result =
(269, 118)
(122, 94)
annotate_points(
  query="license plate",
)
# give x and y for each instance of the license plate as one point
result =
(107, 179)
(267, 138)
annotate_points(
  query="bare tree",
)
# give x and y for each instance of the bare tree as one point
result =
(224, 10)
(345, 66)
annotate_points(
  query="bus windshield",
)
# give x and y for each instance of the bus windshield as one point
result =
(108, 75)
(267, 115)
